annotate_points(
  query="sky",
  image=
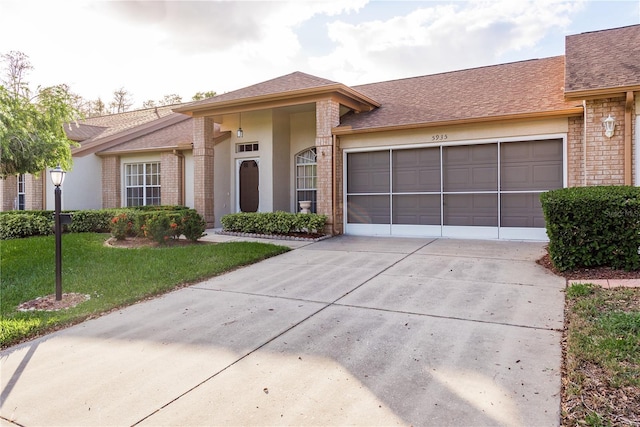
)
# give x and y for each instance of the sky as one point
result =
(156, 48)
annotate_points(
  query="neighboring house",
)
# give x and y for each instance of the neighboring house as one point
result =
(457, 154)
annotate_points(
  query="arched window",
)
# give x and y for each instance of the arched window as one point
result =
(306, 177)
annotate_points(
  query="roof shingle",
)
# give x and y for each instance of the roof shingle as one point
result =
(518, 88)
(603, 59)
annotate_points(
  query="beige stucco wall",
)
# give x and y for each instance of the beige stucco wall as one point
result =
(188, 178)
(303, 134)
(82, 187)
(460, 133)
(222, 192)
(281, 165)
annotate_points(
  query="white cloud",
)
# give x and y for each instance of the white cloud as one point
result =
(440, 38)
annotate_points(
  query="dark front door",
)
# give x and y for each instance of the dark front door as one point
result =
(249, 186)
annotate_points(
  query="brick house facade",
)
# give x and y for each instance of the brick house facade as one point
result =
(463, 153)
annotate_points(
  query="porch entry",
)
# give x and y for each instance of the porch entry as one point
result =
(248, 179)
(488, 190)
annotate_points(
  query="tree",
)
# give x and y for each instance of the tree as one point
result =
(32, 135)
(171, 99)
(17, 66)
(97, 108)
(121, 101)
(203, 95)
(149, 103)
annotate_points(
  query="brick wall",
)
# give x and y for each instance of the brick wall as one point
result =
(575, 152)
(203, 168)
(111, 182)
(171, 179)
(604, 156)
(8, 193)
(34, 187)
(327, 117)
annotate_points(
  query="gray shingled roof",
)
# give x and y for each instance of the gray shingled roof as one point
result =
(603, 60)
(280, 85)
(519, 88)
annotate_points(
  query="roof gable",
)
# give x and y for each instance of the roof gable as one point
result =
(603, 62)
(293, 88)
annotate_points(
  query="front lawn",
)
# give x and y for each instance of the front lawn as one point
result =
(601, 385)
(112, 277)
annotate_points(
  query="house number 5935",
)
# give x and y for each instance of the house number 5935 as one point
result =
(439, 137)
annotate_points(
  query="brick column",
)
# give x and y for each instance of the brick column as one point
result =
(203, 168)
(111, 182)
(171, 178)
(605, 156)
(327, 117)
(575, 152)
(34, 186)
(8, 192)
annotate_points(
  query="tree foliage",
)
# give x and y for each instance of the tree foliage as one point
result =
(203, 95)
(32, 135)
(122, 101)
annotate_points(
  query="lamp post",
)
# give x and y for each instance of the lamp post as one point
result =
(57, 177)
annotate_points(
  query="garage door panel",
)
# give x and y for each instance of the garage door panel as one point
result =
(547, 176)
(521, 210)
(368, 209)
(368, 172)
(416, 170)
(470, 168)
(471, 209)
(421, 209)
(531, 165)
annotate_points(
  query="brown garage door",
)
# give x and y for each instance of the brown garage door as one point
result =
(452, 190)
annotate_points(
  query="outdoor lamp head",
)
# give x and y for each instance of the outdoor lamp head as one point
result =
(57, 176)
(609, 126)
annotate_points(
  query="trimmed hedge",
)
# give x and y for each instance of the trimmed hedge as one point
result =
(593, 226)
(24, 224)
(273, 222)
(19, 224)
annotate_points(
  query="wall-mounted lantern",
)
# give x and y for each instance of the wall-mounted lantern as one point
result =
(609, 126)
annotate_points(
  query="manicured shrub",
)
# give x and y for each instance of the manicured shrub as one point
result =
(273, 222)
(161, 226)
(93, 221)
(122, 225)
(24, 224)
(593, 226)
(192, 225)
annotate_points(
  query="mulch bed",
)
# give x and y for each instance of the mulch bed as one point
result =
(49, 303)
(588, 273)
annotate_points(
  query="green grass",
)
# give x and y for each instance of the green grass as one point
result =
(112, 277)
(603, 354)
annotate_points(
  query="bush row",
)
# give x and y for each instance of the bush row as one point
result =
(593, 226)
(19, 224)
(273, 222)
(160, 225)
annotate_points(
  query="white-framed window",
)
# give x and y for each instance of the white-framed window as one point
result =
(142, 184)
(306, 178)
(20, 201)
(247, 147)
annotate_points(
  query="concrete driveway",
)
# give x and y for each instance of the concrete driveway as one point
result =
(346, 331)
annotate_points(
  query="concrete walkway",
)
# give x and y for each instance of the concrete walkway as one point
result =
(346, 331)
